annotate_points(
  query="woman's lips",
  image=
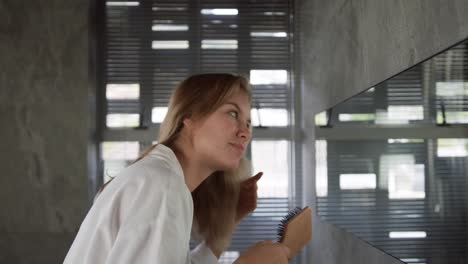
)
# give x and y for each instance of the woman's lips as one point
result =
(239, 147)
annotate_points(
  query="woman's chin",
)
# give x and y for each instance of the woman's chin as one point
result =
(232, 164)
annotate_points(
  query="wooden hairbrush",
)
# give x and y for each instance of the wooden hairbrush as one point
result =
(295, 230)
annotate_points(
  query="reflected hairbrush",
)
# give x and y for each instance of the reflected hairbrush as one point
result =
(295, 230)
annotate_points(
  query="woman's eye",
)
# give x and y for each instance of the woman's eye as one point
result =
(233, 114)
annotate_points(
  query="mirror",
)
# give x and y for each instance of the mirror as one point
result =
(392, 162)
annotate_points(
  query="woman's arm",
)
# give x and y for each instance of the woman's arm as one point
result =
(154, 218)
(142, 217)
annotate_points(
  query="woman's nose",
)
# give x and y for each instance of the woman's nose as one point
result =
(244, 132)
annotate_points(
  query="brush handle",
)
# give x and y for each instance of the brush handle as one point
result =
(298, 231)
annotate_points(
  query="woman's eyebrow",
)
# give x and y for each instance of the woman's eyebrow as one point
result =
(235, 105)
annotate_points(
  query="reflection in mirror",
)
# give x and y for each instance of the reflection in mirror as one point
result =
(392, 162)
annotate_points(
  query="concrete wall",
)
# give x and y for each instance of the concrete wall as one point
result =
(348, 46)
(44, 126)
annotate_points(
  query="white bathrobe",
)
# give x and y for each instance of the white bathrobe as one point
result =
(143, 216)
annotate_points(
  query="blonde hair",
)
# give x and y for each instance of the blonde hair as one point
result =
(215, 199)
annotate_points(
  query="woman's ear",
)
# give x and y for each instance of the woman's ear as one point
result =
(190, 125)
(188, 122)
(188, 128)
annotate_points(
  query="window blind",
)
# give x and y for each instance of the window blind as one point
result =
(156, 44)
(375, 213)
(451, 91)
(404, 195)
(402, 93)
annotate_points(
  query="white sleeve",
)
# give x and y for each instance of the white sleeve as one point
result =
(154, 229)
(139, 219)
(202, 254)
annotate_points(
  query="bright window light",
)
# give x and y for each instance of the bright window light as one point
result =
(170, 44)
(407, 234)
(123, 120)
(220, 11)
(400, 114)
(321, 119)
(406, 182)
(404, 140)
(452, 147)
(269, 34)
(321, 168)
(414, 260)
(168, 8)
(451, 89)
(132, 3)
(274, 13)
(453, 117)
(259, 77)
(122, 91)
(356, 117)
(269, 117)
(219, 44)
(158, 114)
(406, 112)
(127, 150)
(271, 157)
(358, 181)
(402, 177)
(169, 27)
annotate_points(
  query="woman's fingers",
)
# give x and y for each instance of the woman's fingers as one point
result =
(265, 252)
(254, 178)
(252, 181)
(285, 249)
(248, 196)
(257, 176)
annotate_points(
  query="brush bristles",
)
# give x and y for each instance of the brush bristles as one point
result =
(291, 214)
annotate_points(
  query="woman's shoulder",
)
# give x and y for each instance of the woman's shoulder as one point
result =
(158, 174)
(142, 181)
(148, 171)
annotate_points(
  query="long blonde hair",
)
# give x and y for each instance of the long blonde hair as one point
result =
(215, 199)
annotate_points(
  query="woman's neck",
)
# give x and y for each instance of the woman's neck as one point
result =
(194, 170)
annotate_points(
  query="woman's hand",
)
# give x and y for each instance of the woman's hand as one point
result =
(247, 196)
(265, 252)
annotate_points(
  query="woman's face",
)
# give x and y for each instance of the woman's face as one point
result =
(220, 139)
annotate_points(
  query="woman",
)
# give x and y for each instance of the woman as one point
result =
(145, 214)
